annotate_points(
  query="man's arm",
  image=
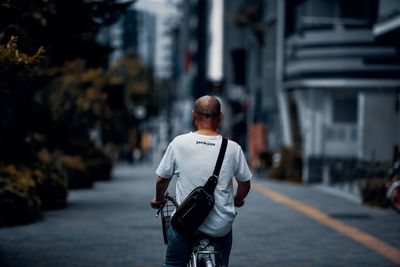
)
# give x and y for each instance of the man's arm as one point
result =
(241, 193)
(161, 188)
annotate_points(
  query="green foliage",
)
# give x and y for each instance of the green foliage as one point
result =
(374, 192)
(289, 167)
(76, 172)
(18, 200)
(76, 103)
(137, 81)
(9, 54)
(79, 100)
(85, 165)
(18, 110)
(59, 101)
(51, 181)
(96, 163)
(53, 94)
(67, 29)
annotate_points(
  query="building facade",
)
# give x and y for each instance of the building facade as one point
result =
(342, 86)
(319, 76)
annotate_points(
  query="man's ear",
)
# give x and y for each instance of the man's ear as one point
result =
(220, 117)
(219, 120)
(193, 115)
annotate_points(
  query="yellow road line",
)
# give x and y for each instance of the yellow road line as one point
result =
(390, 252)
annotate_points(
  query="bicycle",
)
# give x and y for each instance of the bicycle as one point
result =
(203, 254)
(393, 186)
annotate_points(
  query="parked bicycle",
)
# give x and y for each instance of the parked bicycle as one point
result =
(203, 254)
(393, 186)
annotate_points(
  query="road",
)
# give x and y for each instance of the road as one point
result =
(282, 224)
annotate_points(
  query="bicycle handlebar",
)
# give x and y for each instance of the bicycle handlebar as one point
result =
(167, 198)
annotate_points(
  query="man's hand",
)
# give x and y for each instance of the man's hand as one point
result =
(161, 188)
(241, 193)
(155, 204)
(238, 202)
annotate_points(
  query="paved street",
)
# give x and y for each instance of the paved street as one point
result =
(280, 225)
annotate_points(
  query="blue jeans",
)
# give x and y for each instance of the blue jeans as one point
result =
(179, 248)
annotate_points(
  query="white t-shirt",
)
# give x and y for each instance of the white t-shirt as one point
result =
(192, 157)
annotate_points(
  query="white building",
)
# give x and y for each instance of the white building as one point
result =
(342, 88)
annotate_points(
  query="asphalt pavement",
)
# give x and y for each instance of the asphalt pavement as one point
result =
(281, 224)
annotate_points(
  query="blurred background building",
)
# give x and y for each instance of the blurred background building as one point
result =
(320, 77)
(341, 83)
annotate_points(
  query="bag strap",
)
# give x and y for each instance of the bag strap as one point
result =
(221, 156)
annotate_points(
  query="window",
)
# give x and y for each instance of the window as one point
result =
(326, 14)
(345, 110)
(239, 58)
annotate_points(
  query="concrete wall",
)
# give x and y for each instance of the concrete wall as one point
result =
(321, 136)
(387, 6)
(380, 126)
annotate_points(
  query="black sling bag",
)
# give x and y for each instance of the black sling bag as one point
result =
(198, 204)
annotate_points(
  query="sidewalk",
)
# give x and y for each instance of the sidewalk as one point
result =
(382, 223)
(109, 225)
(112, 225)
(290, 238)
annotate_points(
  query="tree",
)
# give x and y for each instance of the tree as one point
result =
(67, 29)
(51, 95)
(18, 78)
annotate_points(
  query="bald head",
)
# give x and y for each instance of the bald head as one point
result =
(207, 107)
